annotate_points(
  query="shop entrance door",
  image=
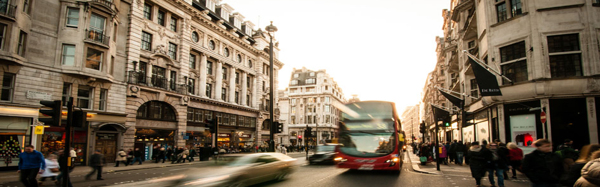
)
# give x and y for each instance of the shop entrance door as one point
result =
(107, 144)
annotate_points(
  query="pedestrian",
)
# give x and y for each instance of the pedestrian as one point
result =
(460, 152)
(590, 173)
(447, 146)
(169, 154)
(478, 160)
(452, 152)
(61, 159)
(130, 156)
(192, 154)
(424, 154)
(161, 155)
(73, 153)
(137, 156)
(121, 157)
(31, 162)
(467, 148)
(283, 150)
(568, 154)
(96, 162)
(542, 167)
(497, 164)
(443, 155)
(585, 156)
(51, 171)
(183, 155)
(515, 157)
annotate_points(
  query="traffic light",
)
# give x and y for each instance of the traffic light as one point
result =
(423, 128)
(278, 127)
(212, 125)
(300, 137)
(79, 118)
(55, 113)
(308, 132)
(447, 121)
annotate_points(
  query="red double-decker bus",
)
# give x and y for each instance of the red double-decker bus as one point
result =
(370, 137)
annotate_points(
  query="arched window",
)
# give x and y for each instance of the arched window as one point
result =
(156, 110)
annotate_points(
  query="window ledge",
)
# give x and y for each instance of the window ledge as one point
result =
(596, 4)
(510, 19)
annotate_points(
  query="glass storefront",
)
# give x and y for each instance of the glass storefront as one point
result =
(146, 139)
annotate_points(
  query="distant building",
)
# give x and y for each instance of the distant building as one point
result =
(410, 123)
(310, 101)
(354, 99)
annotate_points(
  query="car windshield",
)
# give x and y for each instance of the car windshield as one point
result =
(367, 144)
(237, 160)
(326, 148)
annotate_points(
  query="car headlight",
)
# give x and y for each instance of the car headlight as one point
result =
(207, 180)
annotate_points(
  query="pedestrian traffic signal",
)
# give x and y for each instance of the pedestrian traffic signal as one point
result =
(447, 124)
(55, 112)
(308, 132)
(79, 118)
(278, 127)
(300, 137)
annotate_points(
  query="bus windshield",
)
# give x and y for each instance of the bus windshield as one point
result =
(368, 143)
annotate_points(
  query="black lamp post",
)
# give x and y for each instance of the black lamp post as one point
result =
(271, 29)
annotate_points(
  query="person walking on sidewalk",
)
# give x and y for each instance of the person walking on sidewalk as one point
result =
(161, 155)
(590, 173)
(31, 162)
(192, 154)
(452, 152)
(515, 155)
(542, 167)
(497, 164)
(96, 162)
(424, 152)
(460, 152)
(121, 157)
(169, 154)
(51, 169)
(478, 160)
(443, 155)
(61, 155)
(183, 155)
(585, 156)
(137, 156)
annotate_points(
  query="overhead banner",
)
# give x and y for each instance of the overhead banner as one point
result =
(439, 113)
(486, 81)
(453, 99)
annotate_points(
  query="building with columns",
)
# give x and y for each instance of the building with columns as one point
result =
(547, 49)
(311, 100)
(193, 61)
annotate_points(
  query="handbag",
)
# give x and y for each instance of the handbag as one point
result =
(54, 170)
(184, 156)
(423, 159)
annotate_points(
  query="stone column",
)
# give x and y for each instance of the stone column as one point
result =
(232, 85)
(244, 91)
(254, 96)
(202, 80)
(219, 77)
(592, 119)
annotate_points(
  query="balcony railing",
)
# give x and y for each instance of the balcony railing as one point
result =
(107, 3)
(96, 36)
(139, 78)
(8, 10)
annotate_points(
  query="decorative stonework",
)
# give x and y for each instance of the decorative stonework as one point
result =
(160, 31)
(593, 85)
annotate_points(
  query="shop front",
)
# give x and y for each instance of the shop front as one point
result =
(197, 137)
(146, 139)
(15, 133)
(53, 140)
(521, 125)
(482, 129)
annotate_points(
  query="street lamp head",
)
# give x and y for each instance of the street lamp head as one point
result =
(271, 28)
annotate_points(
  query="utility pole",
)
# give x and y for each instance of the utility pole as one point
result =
(67, 152)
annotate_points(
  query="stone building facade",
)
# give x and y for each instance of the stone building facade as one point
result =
(410, 123)
(311, 100)
(548, 49)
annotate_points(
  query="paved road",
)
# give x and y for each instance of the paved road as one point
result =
(306, 175)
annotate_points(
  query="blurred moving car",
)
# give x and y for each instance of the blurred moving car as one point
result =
(325, 154)
(239, 170)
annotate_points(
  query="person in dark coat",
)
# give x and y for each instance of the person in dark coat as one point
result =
(498, 163)
(169, 153)
(585, 156)
(590, 173)
(478, 160)
(542, 167)
(161, 155)
(424, 152)
(192, 154)
(96, 162)
(137, 156)
(460, 150)
(452, 152)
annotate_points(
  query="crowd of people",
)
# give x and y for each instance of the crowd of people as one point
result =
(565, 166)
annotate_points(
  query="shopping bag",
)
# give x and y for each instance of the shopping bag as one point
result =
(423, 159)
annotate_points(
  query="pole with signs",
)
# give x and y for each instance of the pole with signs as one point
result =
(543, 120)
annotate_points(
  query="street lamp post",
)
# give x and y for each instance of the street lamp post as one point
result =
(271, 29)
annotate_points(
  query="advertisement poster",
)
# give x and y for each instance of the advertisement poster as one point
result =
(454, 135)
(483, 131)
(523, 131)
(468, 134)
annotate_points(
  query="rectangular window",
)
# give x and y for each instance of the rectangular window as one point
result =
(237, 97)
(565, 55)
(84, 97)
(327, 119)
(22, 42)
(148, 11)
(326, 108)
(97, 23)
(237, 78)
(173, 24)
(474, 88)
(248, 81)
(208, 115)
(103, 99)
(516, 8)
(225, 119)
(209, 90)
(264, 86)
(94, 59)
(146, 41)
(293, 110)
(294, 82)
(66, 93)
(143, 72)
(68, 55)
(198, 115)
(501, 11)
(326, 99)
(161, 18)
(247, 100)
(173, 82)
(192, 61)
(310, 81)
(224, 69)
(72, 17)
(115, 32)
(232, 119)
(191, 86)
(8, 87)
(27, 6)
(293, 121)
(293, 102)
(190, 114)
(224, 94)
(241, 121)
(514, 62)
(173, 51)
(209, 69)
(2, 34)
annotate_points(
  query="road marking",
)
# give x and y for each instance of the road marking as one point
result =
(177, 169)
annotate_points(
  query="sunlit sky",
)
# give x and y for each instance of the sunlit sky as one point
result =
(377, 49)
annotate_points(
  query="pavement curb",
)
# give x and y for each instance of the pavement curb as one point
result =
(416, 168)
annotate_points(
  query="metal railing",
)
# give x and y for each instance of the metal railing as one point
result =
(96, 36)
(8, 10)
(139, 78)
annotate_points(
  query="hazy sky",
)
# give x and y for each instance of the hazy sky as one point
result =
(377, 49)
